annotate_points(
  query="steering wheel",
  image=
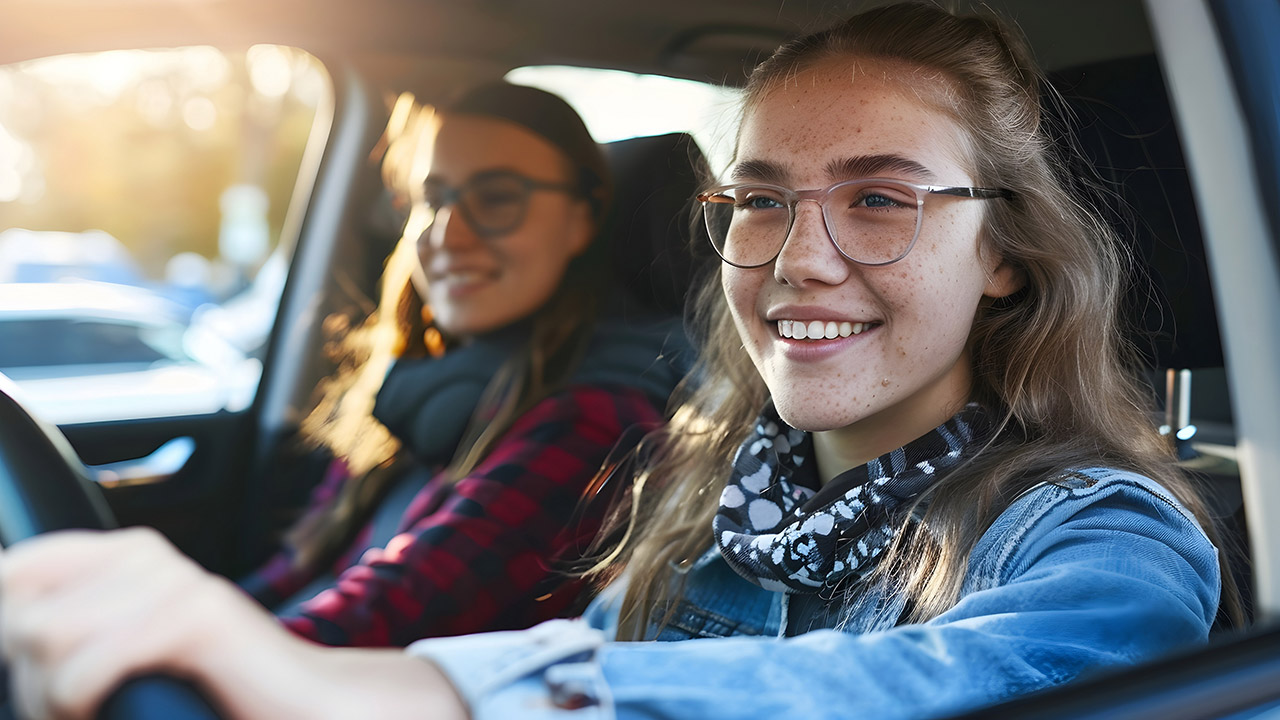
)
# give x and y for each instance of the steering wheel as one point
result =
(44, 487)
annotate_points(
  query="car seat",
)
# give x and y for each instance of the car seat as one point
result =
(657, 249)
(1122, 122)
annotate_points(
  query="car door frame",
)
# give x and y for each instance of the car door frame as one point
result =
(1221, 144)
(1224, 128)
(216, 506)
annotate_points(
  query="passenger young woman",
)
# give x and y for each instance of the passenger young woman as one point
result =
(453, 489)
(916, 476)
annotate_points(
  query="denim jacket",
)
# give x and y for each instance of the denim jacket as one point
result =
(1098, 569)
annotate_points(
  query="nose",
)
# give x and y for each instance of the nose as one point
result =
(809, 253)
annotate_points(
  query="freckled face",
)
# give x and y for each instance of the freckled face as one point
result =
(907, 371)
(477, 284)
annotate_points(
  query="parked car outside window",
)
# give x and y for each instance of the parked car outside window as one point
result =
(92, 352)
(173, 171)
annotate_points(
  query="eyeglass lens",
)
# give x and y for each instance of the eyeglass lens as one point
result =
(492, 203)
(871, 222)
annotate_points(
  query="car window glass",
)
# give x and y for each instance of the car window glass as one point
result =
(42, 343)
(145, 198)
(617, 105)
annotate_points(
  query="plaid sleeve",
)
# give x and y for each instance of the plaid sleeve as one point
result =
(483, 558)
(280, 577)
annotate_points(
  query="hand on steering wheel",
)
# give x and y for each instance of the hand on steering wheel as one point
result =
(84, 612)
(44, 487)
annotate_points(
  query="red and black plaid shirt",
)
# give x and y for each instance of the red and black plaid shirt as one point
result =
(478, 554)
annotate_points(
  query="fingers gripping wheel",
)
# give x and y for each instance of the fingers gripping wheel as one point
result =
(44, 487)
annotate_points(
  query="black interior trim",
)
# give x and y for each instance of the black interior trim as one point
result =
(1224, 678)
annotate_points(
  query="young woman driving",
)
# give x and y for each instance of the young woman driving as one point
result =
(915, 475)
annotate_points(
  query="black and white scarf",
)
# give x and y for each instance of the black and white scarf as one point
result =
(778, 529)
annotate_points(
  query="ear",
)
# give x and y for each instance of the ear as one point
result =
(1003, 281)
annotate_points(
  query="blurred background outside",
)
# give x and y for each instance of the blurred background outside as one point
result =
(142, 199)
(148, 201)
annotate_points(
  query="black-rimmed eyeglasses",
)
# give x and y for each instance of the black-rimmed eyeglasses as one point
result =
(493, 202)
(871, 221)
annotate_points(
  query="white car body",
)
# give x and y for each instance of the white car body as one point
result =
(190, 373)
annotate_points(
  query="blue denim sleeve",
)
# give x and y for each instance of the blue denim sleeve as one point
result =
(517, 674)
(1068, 580)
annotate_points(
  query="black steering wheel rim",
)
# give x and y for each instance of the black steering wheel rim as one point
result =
(43, 484)
(45, 487)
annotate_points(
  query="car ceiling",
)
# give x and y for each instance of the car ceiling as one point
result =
(714, 40)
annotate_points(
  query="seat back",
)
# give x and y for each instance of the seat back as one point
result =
(656, 252)
(1124, 126)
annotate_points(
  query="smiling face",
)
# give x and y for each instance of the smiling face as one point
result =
(869, 358)
(476, 282)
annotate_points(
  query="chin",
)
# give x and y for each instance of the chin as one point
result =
(459, 325)
(803, 415)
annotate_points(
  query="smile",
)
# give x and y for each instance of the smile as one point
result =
(462, 277)
(820, 330)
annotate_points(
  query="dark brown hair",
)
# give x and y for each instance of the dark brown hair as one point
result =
(401, 326)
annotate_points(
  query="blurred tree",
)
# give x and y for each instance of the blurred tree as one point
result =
(142, 144)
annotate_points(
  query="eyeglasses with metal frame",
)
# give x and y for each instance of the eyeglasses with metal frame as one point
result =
(871, 221)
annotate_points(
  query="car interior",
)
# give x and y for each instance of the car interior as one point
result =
(236, 478)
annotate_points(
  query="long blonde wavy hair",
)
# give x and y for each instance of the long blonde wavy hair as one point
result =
(1053, 361)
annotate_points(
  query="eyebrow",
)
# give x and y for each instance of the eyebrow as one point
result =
(859, 166)
(760, 170)
(862, 166)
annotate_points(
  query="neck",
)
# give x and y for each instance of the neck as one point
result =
(838, 450)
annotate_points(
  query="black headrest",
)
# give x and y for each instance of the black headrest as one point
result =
(655, 179)
(1125, 127)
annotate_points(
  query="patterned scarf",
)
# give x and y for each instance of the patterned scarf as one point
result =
(778, 529)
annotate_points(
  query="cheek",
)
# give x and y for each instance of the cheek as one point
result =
(741, 288)
(538, 254)
(540, 279)
(534, 268)
(940, 295)
(948, 255)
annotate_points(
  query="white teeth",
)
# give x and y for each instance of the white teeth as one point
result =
(819, 330)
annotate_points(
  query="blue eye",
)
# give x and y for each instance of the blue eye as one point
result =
(879, 197)
(758, 199)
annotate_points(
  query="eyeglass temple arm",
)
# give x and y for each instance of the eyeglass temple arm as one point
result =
(973, 192)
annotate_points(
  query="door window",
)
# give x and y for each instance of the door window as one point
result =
(147, 205)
